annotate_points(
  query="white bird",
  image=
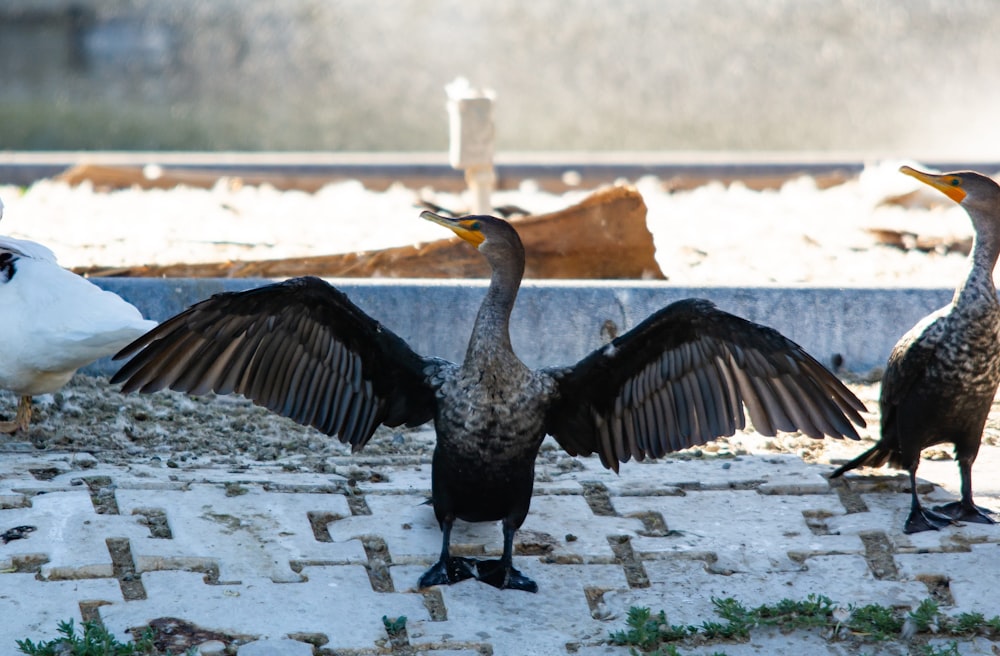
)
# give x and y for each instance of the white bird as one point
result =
(53, 322)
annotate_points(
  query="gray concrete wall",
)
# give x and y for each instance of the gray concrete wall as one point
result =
(908, 77)
(557, 323)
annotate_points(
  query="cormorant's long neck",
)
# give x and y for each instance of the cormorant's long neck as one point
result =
(983, 259)
(490, 341)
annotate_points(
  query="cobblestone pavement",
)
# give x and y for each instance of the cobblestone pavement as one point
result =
(262, 560)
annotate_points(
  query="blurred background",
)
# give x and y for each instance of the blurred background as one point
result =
(867, 76)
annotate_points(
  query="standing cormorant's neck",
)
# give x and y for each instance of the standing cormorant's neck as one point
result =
(983, 258)
(490, 340)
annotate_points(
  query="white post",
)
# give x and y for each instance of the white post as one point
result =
(470, 114)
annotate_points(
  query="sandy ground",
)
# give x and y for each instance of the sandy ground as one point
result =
(90, 416)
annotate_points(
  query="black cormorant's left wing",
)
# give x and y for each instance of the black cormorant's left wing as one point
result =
(682, 377)
(300, 348)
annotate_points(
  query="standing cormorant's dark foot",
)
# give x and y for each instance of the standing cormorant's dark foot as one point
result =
(503, 576)
(921, 519)
(447, 571)
(959, 511)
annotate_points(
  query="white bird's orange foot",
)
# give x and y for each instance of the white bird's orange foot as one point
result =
(22, 419)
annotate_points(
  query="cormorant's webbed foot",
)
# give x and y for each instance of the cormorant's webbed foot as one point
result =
(447, 571)
(504, 576)
(963, 512)
(921, 519)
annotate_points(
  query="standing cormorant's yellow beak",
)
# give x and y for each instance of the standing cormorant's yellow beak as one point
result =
(466, 227)
(949, 185)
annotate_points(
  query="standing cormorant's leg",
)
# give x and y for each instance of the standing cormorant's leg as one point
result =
(501, 573)
(448, 569)
(920, 518)
(965, 510)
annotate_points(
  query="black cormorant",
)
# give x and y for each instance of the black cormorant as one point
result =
(678, 379)
(942, 375)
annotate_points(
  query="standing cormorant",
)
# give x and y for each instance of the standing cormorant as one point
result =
(678, 379)
(942, 375)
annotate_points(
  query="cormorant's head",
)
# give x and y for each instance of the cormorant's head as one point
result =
(482, 231)
(494, 238)
(966, 188)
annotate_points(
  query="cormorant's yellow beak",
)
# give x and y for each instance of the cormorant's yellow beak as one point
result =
(468, 228)
(949, 185)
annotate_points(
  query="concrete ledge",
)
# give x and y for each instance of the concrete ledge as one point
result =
(557, 323)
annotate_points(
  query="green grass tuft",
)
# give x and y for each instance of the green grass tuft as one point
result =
(651, 634)
(94, 640)
(874, 621)
(394, 626)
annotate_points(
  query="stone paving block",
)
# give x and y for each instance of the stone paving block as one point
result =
(14, 500)
(886, 513)
(771, 642)
(974, 647)
(269, 475)
(560, 483)
(53, 475)
(327, 603)
(670, 473)
(562, 516)
(413, 480)
(69, 533)
(957, 537)
(937, 481)
(514, 622)
(971, 576)
(18, 465)
(767, 527)
(786, 480)
(275, 648)
(407, 526)
(601, 650)
(739, 472)
(883, 512)
(412, 534)
(211, 648)
(32, 609)
(13, 478)
(247, 531)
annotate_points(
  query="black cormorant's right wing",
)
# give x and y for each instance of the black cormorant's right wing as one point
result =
(300, 348)
(682, 377)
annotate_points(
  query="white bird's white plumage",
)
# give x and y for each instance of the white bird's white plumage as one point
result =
(55, 321)
(52, 321)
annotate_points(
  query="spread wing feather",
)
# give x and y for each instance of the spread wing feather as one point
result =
(683, 377)
(299, 348)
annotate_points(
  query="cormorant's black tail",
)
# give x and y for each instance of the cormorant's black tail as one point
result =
(873, 457)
